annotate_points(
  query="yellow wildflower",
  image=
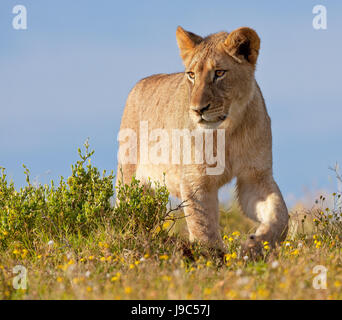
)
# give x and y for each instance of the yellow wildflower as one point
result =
(227, 257)
(116, 277)
(266, 245)
(207, 291)
(128, 290)
(231, 294)
(236, 234)
(263, 293)
(166, 224)
(295, 252)
(24, 253)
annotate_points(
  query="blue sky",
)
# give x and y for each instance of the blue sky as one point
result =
(67, 77)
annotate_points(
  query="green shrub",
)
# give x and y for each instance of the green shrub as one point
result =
(79, 206)
(141, 209)
(76, 205)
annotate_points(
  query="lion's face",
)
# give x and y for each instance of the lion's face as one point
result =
(220, 74)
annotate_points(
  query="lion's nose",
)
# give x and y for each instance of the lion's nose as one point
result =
(200, 111)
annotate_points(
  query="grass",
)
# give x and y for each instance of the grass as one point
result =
(74, 245)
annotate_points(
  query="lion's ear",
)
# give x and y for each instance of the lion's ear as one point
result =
(187, 41)
(243, 43)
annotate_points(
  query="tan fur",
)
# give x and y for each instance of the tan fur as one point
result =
(170, 101)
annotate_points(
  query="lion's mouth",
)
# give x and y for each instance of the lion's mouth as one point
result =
(218, 119)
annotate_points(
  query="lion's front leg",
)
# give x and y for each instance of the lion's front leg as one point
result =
(202, 215)
(261, 200)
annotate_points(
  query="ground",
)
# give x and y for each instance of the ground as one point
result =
(99, 253)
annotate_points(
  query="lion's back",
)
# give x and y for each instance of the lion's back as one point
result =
(151, 98)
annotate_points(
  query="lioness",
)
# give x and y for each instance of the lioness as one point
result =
(217, 91)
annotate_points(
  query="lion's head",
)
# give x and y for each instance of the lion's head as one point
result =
(220, 74)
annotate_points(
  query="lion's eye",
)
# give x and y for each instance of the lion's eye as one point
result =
(191, 75)
(219, 73)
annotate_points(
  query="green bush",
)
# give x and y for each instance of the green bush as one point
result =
(141, 209)
(79, 206)
(76, 205)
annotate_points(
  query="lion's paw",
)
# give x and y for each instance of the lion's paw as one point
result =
(252, 248)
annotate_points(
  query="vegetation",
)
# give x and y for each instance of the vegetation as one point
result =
(75, 244)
